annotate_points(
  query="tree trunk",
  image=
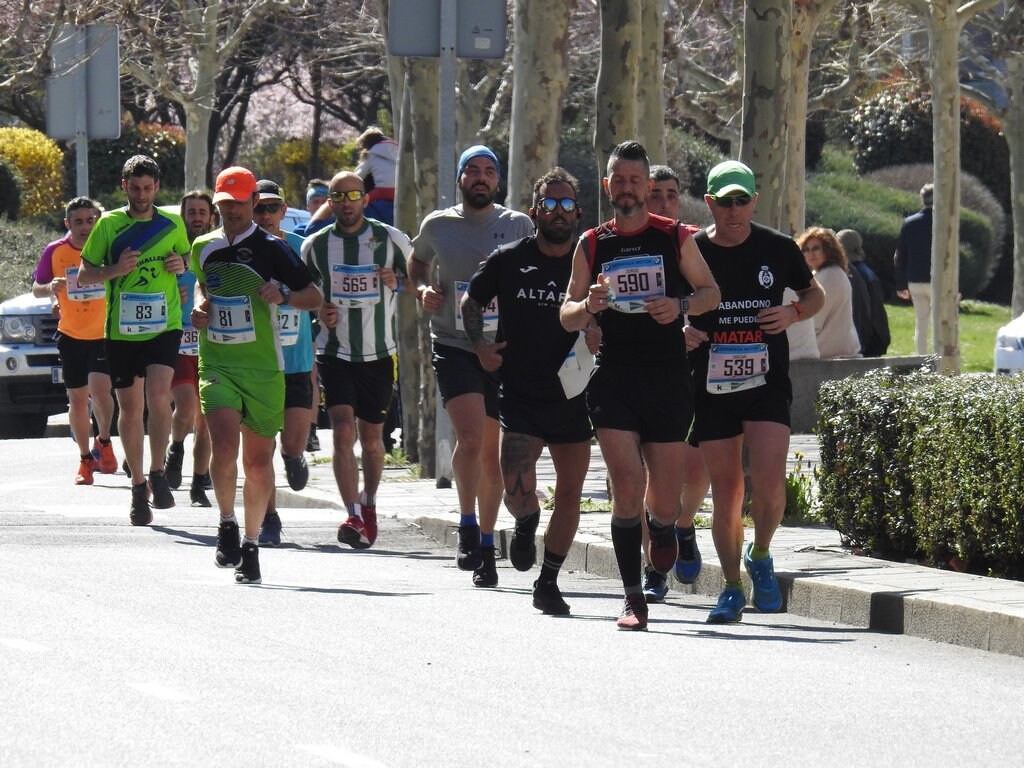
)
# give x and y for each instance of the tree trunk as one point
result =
(650, 89)
(616, 118)
(540, 63)
(943, 38)
(317, 84)
(1013, 127)
(422, 83)
(197, 128)
(767, 24)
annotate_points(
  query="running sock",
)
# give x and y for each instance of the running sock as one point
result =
(627, 541)
(251, 540)
(682, 534)
(756, 553)
(231, 519)
(104, 440)
(351, 508)
(653, 524)
(551, 566)
(738, 584)
(469, 519)
(178, 445)
(487, 540)
(86, 456)
(368, 499)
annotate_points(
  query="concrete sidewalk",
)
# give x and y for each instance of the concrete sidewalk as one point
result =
(818, 576)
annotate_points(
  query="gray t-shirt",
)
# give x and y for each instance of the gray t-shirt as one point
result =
(459, 243)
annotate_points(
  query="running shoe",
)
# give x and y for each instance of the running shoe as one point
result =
(634, 613)
(765, 595)
(353, 532)
(197, 496)
(486, 575)
(172, 464)
(547, 598)
(730, 607)
(203, 481)
(162, 496)
(248, 571)
(229, 548)
(105, 454)
(296, 470)
(522, 550)
(655, 586)
(140, 513)
(270, 531)
(467, 556)
(689, 561)
(664, 548)
(85, 469)
(312, 442)
(126, 468)
(369, 522)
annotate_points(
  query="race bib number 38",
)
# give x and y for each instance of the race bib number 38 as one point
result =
(633, 280)
(736, 367)
(230, 320)
(355, 285)
(142, 313)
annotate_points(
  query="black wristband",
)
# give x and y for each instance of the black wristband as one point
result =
(586, 307)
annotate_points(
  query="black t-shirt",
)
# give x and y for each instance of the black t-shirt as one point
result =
(752, 276)
(636, 338)
(530, 288)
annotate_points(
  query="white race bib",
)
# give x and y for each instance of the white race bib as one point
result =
(189, 341)
(633, 280)
(736, 367)
(490, 311)
(288, 320)
(81, 293)
(142, 313)
(576, 368)
(230, 320)
(355, 285)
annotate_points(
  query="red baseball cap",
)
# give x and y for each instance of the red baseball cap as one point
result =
(234, 183)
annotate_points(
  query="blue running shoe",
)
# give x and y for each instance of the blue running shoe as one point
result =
(270, 531)
(730, 607)
(655, 586)
(688, 562)
(765, 595)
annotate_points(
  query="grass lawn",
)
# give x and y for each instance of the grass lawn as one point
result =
(979, 323)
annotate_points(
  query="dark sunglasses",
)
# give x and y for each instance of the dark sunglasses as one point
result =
(268, 208)
(352, 194)
(548, 204)
(729, 202)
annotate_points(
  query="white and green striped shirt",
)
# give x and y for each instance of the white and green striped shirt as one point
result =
(365, 332)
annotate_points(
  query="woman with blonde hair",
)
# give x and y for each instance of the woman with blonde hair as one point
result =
(833, 325)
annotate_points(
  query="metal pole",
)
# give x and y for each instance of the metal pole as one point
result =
(81, 108)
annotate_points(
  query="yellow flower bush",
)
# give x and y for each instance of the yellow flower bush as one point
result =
(40, 162)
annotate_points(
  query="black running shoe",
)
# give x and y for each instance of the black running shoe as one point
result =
(172, 464)
(162, 496)
(197, 496)
(312, 442)
(487, 574)
(522, 550)
(467, 558)
(547, 598)
(140, 513)
(229, 549)
(203, 481)
(270, 531)
(297, 471)
(248, 572)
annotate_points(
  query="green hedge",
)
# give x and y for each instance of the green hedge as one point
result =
(925, 465)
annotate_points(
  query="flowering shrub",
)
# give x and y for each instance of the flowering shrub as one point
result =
(37, 157)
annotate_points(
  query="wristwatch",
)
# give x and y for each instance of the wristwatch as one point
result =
(684, 305)
(285, 294)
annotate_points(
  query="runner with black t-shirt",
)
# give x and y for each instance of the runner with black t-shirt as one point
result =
(636, 273)
(742, 390)
(529, 278)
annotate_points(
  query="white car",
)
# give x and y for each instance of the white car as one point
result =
(31, 380)
(1009, 356)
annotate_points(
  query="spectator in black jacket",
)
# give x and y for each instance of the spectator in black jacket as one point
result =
(913, 261)
(874, 334)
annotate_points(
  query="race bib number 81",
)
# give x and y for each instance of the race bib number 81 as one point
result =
(230, 320)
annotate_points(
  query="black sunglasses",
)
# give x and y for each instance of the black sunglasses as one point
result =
(548, 204)
(729, 202)
(268, 208)
(352, 194)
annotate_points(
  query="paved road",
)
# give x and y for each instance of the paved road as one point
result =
(124, 646)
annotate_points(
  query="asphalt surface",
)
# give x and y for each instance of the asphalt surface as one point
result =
(819, 577)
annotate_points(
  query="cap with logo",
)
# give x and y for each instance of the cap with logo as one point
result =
(234, 183)
(731, 178)
(269, 190)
